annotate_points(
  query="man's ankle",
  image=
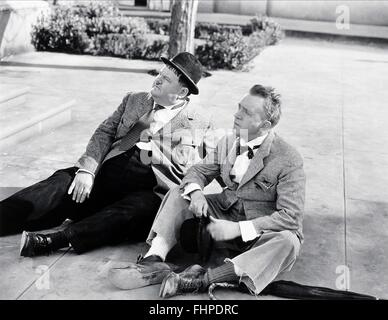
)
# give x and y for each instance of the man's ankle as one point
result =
(159, 247)
(58, 240)
(223, 273)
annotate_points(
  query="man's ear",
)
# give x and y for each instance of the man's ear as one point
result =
(267, 125)
(184, 91)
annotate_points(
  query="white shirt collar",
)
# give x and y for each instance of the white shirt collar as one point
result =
(174, 105)
(255, 142)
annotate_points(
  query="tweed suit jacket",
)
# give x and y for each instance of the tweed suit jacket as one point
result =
(272, 190)
(187, 128)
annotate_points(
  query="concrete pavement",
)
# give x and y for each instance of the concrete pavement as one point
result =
(334, 111)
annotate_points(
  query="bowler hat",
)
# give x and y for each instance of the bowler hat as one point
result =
(194, 237)
(189, 67)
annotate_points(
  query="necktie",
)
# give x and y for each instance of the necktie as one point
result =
(133, 136)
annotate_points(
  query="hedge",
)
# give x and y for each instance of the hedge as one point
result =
(99, 29)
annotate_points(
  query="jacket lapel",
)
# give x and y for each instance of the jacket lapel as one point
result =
(256, 164)
(229, 162)
(145, 105)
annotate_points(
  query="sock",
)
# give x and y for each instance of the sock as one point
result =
(58, 240)
(159, 247)
(223, 273)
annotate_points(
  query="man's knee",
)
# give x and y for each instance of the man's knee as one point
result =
(175, 192)
(289, 240)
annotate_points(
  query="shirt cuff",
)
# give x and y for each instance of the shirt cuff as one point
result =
(144, 146)
(248, 231)
(189, 189)
(85, 170)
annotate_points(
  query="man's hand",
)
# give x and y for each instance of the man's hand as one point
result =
(223, 230)
(81, 186)
(198, 204)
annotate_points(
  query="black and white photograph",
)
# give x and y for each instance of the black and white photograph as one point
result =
(193, 150)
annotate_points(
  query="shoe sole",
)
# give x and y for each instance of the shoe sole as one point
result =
(128, 278)
(163, 288)
(23, 242)
(166, 290)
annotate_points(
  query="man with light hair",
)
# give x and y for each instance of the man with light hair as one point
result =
(258, 215)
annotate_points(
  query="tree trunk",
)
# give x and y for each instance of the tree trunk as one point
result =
(183, 17)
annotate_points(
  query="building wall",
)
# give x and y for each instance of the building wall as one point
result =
(373, 12)
(16, 19)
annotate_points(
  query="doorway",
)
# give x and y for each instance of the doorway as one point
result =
(140, 3)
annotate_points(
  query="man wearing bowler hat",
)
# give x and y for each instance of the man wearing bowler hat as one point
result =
(114, 190)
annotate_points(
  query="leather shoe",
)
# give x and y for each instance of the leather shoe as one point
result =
(145, 272)
(191, 280)
(33, 244)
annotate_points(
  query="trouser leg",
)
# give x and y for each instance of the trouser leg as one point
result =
(39, 206)
(271, 254)
(127, 219)
(174, 211)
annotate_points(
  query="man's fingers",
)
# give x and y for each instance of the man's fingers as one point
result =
(78, 195)
(210, 230)
(81, 194)
(206, 207)
(212, 219)
(83, 197)
(75, 192)
(71, 188)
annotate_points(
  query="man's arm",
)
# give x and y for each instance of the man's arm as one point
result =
(204, 172)
(102, 139)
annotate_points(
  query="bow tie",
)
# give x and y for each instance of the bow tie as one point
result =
(242, 149)
(158, 107)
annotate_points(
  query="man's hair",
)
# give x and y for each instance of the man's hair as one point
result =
(181, 79)
(272, 103)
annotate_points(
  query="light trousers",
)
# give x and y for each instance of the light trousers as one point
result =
(259, 261)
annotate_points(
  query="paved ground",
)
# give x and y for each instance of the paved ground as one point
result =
(335, 113)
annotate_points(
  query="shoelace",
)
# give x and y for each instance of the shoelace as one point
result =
(190, 285)
(42, 245)
(42, 239)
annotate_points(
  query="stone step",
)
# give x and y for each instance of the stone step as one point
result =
(12, 95)
(38, 115)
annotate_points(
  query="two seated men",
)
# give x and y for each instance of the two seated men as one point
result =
(118, 186)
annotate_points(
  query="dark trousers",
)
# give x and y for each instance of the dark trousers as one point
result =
(121, 206)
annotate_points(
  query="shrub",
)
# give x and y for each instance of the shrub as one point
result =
(62, 31)
(96, 9)
(90, 29)
(118, 45)
(224, 50)
(99, 29)
(270, 29)
(230, 50)
(204, 30)
(155, 50)
(159, 26)
(106, 25)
